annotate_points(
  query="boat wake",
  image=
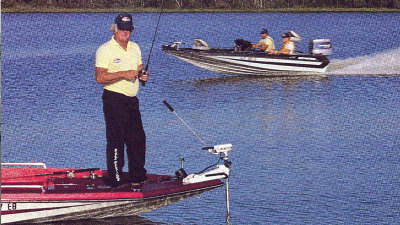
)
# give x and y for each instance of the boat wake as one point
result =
(383, 63)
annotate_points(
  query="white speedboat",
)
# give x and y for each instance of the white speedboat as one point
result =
(242, 60)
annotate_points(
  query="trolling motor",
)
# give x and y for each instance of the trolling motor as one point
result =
(219, 171)
(172, 45)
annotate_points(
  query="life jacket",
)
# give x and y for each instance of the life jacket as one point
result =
(284, 47)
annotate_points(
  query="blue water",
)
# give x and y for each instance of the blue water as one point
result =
(314, 150)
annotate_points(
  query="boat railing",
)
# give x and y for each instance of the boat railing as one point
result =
(26, 164)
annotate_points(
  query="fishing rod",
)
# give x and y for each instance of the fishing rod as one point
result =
(57, 173)
(152, 43)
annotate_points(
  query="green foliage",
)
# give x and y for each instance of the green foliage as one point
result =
(249, 5)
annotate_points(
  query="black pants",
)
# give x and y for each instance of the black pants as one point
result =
(124, 127)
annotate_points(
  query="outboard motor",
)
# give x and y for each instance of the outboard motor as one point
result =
(200, 44)
(320, 47)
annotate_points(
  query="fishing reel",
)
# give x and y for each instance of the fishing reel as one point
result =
(141, 72)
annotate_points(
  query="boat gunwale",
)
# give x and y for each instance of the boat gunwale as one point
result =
(231, 52)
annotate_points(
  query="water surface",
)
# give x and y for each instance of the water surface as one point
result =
(312, 150)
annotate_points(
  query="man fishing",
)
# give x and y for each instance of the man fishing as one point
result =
(118, 66)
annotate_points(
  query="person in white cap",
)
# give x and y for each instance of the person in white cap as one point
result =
(118, 66)
(288, 47)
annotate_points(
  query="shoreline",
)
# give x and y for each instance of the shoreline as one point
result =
(24, 9)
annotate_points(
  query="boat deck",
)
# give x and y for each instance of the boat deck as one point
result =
(55, 182)
(59, 194)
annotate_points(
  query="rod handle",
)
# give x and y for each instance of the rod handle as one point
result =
(169, 107)
(140, 74)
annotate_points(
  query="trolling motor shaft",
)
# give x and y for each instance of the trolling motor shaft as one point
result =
(221, 171)
(172, 110)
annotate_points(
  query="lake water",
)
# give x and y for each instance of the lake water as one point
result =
(314, 150)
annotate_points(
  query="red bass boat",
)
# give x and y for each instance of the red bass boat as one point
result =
(33, 193)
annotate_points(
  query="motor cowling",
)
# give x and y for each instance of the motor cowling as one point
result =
(320, 47)
(200, 44)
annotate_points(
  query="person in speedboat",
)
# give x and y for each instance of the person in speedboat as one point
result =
(266, 43)
(118, 66)
(288, 47)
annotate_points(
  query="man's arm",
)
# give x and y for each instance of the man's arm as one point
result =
(261, 46)
(104, 77)
(283, 51)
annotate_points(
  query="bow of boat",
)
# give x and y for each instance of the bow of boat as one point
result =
(56, 194)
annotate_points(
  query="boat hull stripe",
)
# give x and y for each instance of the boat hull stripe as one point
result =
(248, 65)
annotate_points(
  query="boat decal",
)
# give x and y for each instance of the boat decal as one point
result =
(15, 210)
(117, 176)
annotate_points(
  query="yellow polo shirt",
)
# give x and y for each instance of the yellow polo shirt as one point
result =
(268, 41)
(114, 58)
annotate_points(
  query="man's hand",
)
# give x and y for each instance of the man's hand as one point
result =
(145, 76)
(131, 75)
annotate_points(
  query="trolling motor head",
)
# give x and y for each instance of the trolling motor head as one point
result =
(172, 45)
(219, 150)
(219, 171)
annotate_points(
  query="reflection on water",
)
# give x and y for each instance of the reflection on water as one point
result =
(289, 81)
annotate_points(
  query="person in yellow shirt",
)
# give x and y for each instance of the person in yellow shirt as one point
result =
(288, 47)
(266, 43)
(118, 66)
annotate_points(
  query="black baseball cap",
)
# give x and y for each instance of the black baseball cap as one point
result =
(285, 35)
(264, 31)
(124, 22)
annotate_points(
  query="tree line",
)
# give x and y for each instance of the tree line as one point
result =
(205, 4)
